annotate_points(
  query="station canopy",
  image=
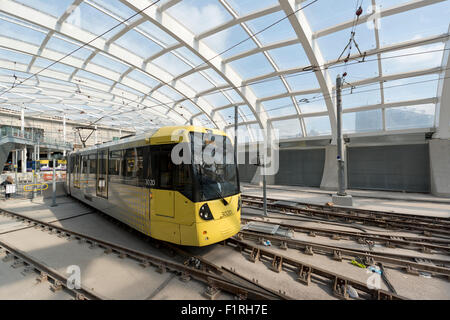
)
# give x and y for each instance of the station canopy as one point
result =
(142, 64)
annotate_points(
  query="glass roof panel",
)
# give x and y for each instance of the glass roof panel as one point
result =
(410, 117)
(247, 113)
(279, 107)
(317, 126)
(14, 56)
(189, 56)
(228, 115)
(92, 20)
(199, 16)
(143, 78)
(244, 7)
(333, 45)
(127, 89)
(363, 121)
(115, 7)
(363, 96)
(197, 82)
(310, 103)
(45, 63)
(57, 43)
(290, 57)
(138, 44)
(280, 31)
(327, 13)
(216, 99)
(235, 97)
(412, 59)
(192, 108)
(91, 76)
(157, 33)
(356, 71)
(169, 92)
(225, 42)
(411, 88)
(252, 66)
(428, 21)
(265, 88)
(286, 129)
(302, 81)
(172, 64)
(109, 63)
(15, 31)
(218, 80)
(54, 8)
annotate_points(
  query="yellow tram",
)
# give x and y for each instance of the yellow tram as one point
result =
(160, 183)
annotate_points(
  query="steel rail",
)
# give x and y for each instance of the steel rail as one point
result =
(215, 282)
(384, 222)
(353, 211)
(305, 271)
(422, 244)
(339, 253)
(59, 281)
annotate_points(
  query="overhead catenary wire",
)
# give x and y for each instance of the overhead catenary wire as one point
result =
(370, 90)
(163, 83)
(295, 75)
(234, 87)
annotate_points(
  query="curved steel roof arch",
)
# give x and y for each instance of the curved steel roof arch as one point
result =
(121, 97)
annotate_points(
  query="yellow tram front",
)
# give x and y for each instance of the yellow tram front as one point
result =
(203, 205)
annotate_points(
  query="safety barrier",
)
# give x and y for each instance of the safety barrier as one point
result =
(44, 187)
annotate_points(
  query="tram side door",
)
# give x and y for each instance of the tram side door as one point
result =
(102, 174)
(163, 203)
(77, 170)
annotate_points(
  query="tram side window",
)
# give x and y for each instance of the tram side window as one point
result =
(183, 181)
(129, 167)
(84, 164)
(166, 167)
(72, 163)
(147, 178)
(114, 162)
(103, 165)
(93, 163)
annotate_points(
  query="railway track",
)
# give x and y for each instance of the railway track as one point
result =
(425, 245)
(304, 272)
(46, 274)
(215, 278)
(411, 264)
(427, 225)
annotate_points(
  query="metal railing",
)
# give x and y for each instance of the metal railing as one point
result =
(26, 187)
(34, 137)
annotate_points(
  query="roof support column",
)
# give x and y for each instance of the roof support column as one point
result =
(443, 105)
(301, 27)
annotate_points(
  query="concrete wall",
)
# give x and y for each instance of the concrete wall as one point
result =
(440, 167)
(413, 167)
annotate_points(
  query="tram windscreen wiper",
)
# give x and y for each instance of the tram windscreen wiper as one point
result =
(202, 168)
(225, 202)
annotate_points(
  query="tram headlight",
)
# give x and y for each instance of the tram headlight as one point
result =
(205, 212)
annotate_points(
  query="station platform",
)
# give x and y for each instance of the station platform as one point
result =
(396, 202)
